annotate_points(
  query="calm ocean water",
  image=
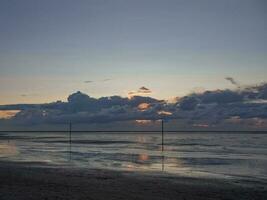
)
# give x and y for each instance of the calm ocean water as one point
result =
(192, 154)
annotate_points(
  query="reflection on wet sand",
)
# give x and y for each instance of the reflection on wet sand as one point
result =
(143, 157)
(145, 162)
(157, 160)
(7, 150)
(141, 139)
(185, 154)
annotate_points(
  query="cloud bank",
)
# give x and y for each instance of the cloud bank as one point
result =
(247, 106)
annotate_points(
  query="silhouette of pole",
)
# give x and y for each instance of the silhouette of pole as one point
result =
(70, 130)
(162, 145)
(162, 135)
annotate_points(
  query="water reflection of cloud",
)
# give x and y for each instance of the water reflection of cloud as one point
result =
(141, 139)
(143, 157)
(130, 167)
(7, 150)
(167, 164)
(170, 165)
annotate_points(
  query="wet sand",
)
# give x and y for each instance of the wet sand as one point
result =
(32, 181)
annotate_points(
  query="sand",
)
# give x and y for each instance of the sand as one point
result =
(33, 181)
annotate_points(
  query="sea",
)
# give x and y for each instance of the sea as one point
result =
(222, 155)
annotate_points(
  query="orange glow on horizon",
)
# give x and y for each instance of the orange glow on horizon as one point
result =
(201, 125)
(143, 121)
(162, 112)
(7, 114)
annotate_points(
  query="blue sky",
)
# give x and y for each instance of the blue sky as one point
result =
(50, 48)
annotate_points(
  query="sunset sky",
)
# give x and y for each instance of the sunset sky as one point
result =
(50, 49)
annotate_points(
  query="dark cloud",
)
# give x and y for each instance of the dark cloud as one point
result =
(262, 90)
(232, 80)
(78, 102)
(210, 107)
(144, 90)
(103, 80)
(188, 103)
(78, 98)
(140, 92)
(255, 92)
(221, 97)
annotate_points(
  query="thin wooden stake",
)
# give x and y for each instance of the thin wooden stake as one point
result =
(70, 130)
(162, 145)
(162, 135)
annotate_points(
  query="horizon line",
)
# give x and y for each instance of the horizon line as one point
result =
(135, 131)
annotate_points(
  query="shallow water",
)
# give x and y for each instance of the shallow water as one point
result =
(192, 154)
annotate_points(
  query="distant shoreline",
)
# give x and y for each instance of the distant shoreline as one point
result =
(125, 131)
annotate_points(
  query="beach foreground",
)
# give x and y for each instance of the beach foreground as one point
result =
(21, 181)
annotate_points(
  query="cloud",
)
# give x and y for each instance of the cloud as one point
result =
(163, 112)
(28, 95)
(83, 108)
(103, 80)
(209, 108)
(232, 80)
(143, 106)
(88, 81)
(255, 92)
(188, 103)
(131, 93)
(140, 92)
(220, 96)
(107, 79)
(144, 90)
(7, 114)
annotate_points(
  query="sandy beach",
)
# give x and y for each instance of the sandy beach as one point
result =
(33, 181)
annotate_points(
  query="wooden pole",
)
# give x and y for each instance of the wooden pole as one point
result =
(70, 127)
(162, 135)
(162, 145)
(70, 130)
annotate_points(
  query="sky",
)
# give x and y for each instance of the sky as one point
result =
(50, 49)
